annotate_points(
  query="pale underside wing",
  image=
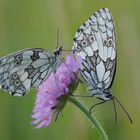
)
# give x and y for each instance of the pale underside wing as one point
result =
(27, 68)
(95, 43)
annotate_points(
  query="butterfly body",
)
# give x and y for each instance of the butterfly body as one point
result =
(27, 68)
(95, 43)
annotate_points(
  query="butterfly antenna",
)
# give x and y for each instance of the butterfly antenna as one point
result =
(57, 38)
(66, 50)
(123, 109)
(78, 95)
(115, 110)
(57, 41)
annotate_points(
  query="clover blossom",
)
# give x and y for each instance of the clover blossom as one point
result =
(54, 92)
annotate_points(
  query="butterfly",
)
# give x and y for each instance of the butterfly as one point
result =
(95, 43)
(27, 68)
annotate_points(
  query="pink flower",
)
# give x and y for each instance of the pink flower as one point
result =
(54, 92)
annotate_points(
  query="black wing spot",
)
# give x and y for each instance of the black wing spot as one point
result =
(110, 42)
(18, 59)
(23, 89)
(17, 82)
(31, 71)
(105, 42)
(4, 86)
(84, 43)
(14, 75)
(35, 56)
(109, 64)
(78, 30)
(82, 30)
(74, 39)
(13, 93)
(91, 38)
(78, 49)
(84, 24)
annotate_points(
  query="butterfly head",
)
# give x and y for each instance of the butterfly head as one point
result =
(58, 51)
(103, 94)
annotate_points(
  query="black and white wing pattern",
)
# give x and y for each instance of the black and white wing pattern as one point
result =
(27, 68)
(95, 43)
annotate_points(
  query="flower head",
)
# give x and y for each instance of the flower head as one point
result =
(53, 93)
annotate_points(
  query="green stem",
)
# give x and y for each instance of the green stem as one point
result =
(92, 118)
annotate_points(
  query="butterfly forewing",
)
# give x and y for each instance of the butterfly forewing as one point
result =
(28, 68)
(95, 43)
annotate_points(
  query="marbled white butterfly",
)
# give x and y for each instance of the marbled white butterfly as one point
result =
(27, 68)
(95, 42)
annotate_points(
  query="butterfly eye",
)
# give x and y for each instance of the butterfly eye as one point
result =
(91, 38)
(108, 96)
(84, 43)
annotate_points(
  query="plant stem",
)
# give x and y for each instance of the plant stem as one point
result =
(92, 118)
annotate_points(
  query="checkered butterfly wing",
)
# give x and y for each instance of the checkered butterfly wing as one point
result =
(95, 43)
(28, 68)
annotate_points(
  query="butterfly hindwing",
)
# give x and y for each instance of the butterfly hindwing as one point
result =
(25, 69)
(95, 43)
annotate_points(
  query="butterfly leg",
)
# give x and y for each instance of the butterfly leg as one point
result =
(80, 81)
(78, 95)
(58, 113)
(96, 105)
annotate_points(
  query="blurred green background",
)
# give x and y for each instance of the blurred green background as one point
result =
(33, 23)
